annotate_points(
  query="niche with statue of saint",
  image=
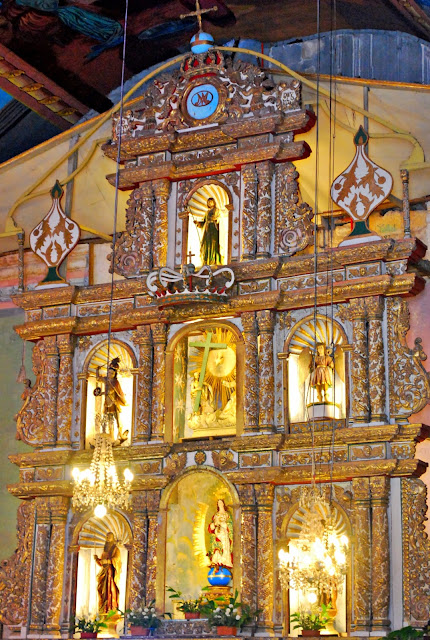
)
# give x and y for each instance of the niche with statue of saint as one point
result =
(316, 370)
(206, 381)
(108, 392)
(207, 211)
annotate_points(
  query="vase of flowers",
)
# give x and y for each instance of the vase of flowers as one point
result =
(228, 617)
(190, 607)
(143, 619)
(89, 627)
(312, 621)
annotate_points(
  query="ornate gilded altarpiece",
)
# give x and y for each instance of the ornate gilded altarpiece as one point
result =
(209, 369)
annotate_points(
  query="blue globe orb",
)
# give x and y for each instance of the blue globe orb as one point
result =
(220, 577)
(201, 42)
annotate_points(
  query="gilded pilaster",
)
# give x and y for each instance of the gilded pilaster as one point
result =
(362, 585)
(266, 401)
(159, 337)
(264, 494)
(51, 391)
(59, 506)
(359, 364)
(379, 490)
(377, 384)
(249, 212)
(159, 246)
(264, 208)
(38, 587)
(249, 544)
(65, 390)
(250, 392)
(153, 503)
(140, 548)
(143, 338)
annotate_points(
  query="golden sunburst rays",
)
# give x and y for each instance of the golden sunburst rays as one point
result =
(116, 350)
(94, 531)
(220, 371)
(309, 334)
(302, 514)
(198, 203)
(199, 535)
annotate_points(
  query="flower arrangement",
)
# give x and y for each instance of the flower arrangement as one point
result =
(86, 625)
(311, 620)
(144, 616)
(188, 605)
(228, 614)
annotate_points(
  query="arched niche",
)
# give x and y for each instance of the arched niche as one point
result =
(315, 341)
(90, 541)
(205, 356)
(195, 213)
(186, 509)
(291, 532)
(96, 369)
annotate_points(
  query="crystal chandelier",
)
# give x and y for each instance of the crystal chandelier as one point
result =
(99, 486)
(317, 561)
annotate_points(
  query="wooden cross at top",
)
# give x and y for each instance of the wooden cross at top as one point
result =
(190, 255)
(198, 12)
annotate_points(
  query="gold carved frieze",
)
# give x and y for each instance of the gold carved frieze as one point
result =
(403, 450)
(147, 467)
(174, 464)
(320, 425)
(255, 286)
(256, 459)
(46, 488)
(363, 270)
(308, 281)
(367, 452)
(49, 473)
(200, 457)
(224, 460)
(293, 458)
(86, 310)
(62, 311)
(397, 267)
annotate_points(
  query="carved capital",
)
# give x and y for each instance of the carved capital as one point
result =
(247, 496)
(375, 307)
(361, 489)
(59, 508)
(357, 308)
(142, 335)
(161, 188)
(138, 502)
(264, 494)
(249, 323)
(266, 321)
(159, 333)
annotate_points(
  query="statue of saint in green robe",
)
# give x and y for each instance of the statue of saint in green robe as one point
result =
(209, 245)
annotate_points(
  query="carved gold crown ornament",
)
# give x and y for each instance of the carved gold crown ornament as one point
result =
(317, 561)
(99, 486)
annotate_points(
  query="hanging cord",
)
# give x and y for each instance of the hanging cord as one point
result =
(312, 425)
(117, 174)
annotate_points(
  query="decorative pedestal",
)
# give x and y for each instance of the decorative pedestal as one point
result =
(323, 410)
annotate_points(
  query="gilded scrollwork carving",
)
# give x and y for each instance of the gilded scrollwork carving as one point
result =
(132, 255)
(409, 381)
(359, 364)
(416, 553)
(249, 212)
(139, 549)
(174, 464)
(264, 494)
(250, 404)
(159, 337)
(153, 503)
(379, 490)
(377, 386)
(143, 338)
(159, 239)
(16, 571)
(30, 418)
(249, 543)
(59, 506)
(266, 401)
(362, 581)
(264, 208)
(293, 221)
(65, 390)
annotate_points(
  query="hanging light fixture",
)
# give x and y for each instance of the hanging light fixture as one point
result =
(317, 561)
(99, 486)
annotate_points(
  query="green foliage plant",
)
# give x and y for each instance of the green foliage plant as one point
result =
(314, 619)
(187, 605)
(405, 633)
(228, 614)
(144, 616)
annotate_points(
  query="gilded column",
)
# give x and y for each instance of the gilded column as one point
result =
(359, 364)
(140, 547)
(377, 384)
(249, 212)
(380, 491)
(264, 208)
(362, 580)
(146, 226)
(159, 244)
(264, 494)
(249, 544)
(159, 337)
(38, 587)
(250, 392)
(143, 338)
(266, 371)
(59, 506)
(51, 391)
(153, 503)
(65, 390)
